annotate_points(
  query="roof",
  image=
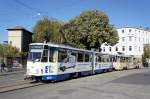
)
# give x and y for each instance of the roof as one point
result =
(140, 28)
(60, 46)
(18, 28)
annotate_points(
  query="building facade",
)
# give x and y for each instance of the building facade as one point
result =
(20, 38)
(131, 42)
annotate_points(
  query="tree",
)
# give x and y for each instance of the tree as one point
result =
(89, 30)
(8, 51)
(47, 29)
(146, 54)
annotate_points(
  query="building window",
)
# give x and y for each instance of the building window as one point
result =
(130, 38)
(130, 48)
(116, 48)
(129, 30)
(122, 31)
(135, 48)
(135, 39)
(123, 39)
(103, 49)
(123, 48)
(110, 49)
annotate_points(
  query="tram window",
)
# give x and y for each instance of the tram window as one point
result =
(45, 47)
(34, 56)
(45, 56)
(80, 57)
(114, 59)
(122, 59)
(74, 54)
(52, 55)
(108, 59)
(96, 58)
(129, 60)
(111, 59)
(103, 59)
(91, 58)
(62, 54)
(99, 59)
(87, 57)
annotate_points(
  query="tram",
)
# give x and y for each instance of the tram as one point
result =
(124, 62)
(135, 62)
(48, 61)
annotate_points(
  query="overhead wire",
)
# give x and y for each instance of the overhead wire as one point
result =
(38, 12)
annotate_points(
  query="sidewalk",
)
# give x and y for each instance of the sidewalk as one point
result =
(13, 71)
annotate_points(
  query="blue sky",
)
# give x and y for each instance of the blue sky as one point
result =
(25, 12)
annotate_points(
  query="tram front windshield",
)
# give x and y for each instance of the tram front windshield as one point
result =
(34, 56)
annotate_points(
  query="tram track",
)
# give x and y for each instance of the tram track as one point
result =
(22, 84)
(19, 85)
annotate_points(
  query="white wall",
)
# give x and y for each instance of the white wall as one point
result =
(15, 38)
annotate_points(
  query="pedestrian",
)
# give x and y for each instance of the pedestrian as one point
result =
(3, 67)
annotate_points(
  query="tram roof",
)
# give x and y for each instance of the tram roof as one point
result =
(61, 46)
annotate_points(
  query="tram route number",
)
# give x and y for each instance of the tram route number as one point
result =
(47, 69)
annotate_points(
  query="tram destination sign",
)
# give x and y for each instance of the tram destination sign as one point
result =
(36, 46)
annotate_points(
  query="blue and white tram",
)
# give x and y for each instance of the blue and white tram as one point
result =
(103, 62)
(47, 61)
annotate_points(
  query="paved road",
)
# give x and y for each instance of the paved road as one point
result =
(11, 77)
(130, 84)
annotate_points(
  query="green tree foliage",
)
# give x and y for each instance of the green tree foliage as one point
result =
(8, 51)
(146, 51)
(47, 29)
(89, 30)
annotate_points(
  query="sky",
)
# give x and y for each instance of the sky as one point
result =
(121, 13)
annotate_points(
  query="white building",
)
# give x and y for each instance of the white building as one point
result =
(131, 42)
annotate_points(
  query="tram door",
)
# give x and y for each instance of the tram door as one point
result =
(97, 63)
(94, 63)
